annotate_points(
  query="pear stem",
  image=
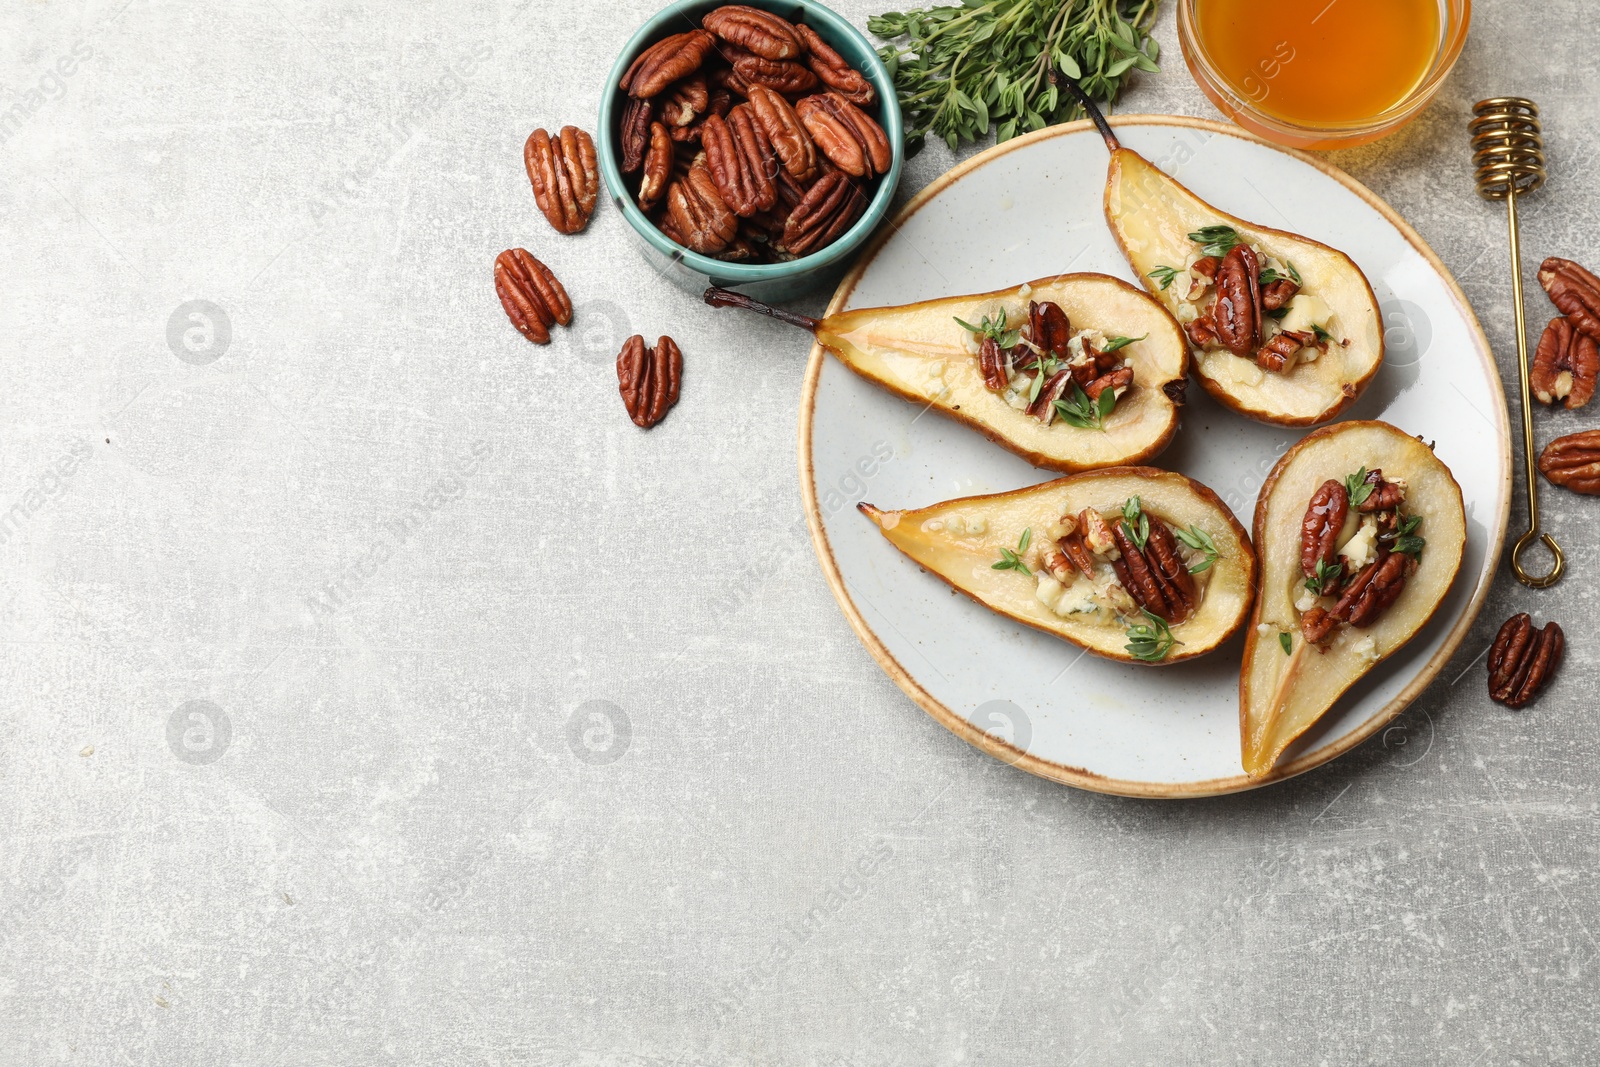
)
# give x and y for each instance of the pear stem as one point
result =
(727, 298)
(1091, 108)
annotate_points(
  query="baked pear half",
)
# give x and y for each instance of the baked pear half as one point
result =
(1132, 563)
(1071, 373)
(1360, 530)
(1284, 329)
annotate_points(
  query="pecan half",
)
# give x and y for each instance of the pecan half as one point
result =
(666, 61)
(1278, 293)
(533, 297)
(847, 136)
(754, 30)
(787, 76)
(1151, 575)
(1372, 590)
(699, 213)
(1048, 327)
(685, 101)
(1319, 530)
(1206, 267)
(1166, 562)
(786, 133)
(831, 69)
(1385, 495)
(741, 161)
(1523, 659)
(1316, 625)
(992, 364)
(1202, 330)
(1237, 310)
(1276, 353)
(1565, 365)
(649, 379)
(1096, 531)
(1078, 552)
(1043, 407)
(657, 168)
(564, 175)
(1573, 462)
(1574, 291)
(1121, 378)
(634, 133)
(829, 208)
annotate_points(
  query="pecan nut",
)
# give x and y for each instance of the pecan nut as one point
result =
(831, 69)
(759, 32)
(1049, 329)
(1202, 330)
(705, 223)
(1119, 379)
(1385, 495)
(1319, 530)
(1285, 344)
(634, 134)
(1055, 387)
(685, 101)
(787, 76)
(1155, 576)
(828, 209)
(1523, 659)
(992, 365)
(1574, 291)
(1369, 594)
(649, 378)
(1363, 602)
(666, 61)
(786, 133)
(1565, 365)
(1573, 462)
(533, 297)
(657, 168)
(564, 175)
(851, 140)
(741, 161)
(1275, 294)
(1238, 306)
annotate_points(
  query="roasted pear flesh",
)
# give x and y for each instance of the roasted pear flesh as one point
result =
(1072, 373)
(1360, 531)
(1283, 329)
(1132, 563)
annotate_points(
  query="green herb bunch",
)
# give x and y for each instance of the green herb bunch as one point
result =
(961, 70)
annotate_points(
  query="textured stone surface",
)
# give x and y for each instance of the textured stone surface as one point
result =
(395, 829)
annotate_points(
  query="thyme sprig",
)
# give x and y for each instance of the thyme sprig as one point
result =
(1085, 413)
(1013, 561)
(1151, 640)
(961, 70)
(995, 329)
(1200, 541)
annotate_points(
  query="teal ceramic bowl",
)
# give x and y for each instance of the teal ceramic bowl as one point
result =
(765, 281)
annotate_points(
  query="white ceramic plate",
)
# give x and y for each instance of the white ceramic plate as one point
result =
(1032, 208)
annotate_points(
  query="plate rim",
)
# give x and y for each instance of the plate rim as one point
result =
(1080, 777)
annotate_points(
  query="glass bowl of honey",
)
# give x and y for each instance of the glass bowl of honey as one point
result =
(1322, 73)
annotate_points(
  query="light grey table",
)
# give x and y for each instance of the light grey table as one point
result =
(298, 760)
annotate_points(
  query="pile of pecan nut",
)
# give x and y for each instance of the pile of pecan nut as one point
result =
(1043, 342)
(1363, 596)
(1565, 367)
(751, 137)
(1236, 318)
(1154, 575)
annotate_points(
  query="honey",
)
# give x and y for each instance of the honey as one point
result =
(1320, 62)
